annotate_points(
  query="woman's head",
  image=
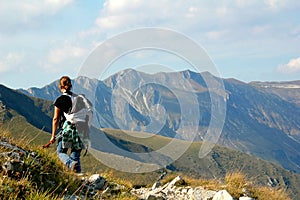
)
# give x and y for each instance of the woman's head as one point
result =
(65, 83)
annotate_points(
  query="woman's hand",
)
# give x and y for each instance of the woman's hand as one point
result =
(52, 140)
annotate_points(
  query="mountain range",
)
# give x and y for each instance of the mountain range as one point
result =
(258, 120)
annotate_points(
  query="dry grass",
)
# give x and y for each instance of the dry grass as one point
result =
(209, 184)
(238, 185)
(266, 193)
(4, 133)
(111, 177)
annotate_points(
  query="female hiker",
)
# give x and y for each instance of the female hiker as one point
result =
(63, 104)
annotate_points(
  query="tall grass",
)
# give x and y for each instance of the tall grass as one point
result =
(42, 174)
(266, 193)
(238, 185)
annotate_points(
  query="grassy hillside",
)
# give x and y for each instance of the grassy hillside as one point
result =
(36, 111)
(40, 175)
(20, 129)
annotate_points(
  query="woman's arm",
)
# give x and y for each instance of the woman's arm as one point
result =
(55, 122)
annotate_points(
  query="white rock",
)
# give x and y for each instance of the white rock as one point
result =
(154, 197)
(97, 182)
(171, 192)
(246, 198)
(93, 178)
(197, 195)
(208, 194)
(156, 185)
(190, 191)
(222, 195)
(174, 181)
(184, 191)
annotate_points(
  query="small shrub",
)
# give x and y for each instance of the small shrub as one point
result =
(236, 184)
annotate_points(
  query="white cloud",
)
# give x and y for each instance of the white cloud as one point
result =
(3, 67)
(119, 15)
(11, 62)
(259, 29)
(67, 56)
(227, 29)
(66, 52)
(233, 27)
(271, 4)
(292, 66)
(275, 4)
(116, 15)
(215, 35)
(33, 7)
(15, 14)
(192, 12)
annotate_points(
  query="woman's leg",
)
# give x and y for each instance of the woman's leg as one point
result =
(75, 155)
(63, 156)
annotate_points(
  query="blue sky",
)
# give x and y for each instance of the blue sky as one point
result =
(247, 40)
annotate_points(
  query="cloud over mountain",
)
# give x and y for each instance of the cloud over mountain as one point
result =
(292, 66)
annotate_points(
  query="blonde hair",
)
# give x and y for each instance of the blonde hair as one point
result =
(65, 83)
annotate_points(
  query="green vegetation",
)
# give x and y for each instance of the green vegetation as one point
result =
(42, 175)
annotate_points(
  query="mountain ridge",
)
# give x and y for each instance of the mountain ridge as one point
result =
(287, 90)
(256, 122)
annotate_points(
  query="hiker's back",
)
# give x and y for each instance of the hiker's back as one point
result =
(81, 116)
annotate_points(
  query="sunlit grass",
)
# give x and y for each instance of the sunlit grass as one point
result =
(41, 173)
(238, 185)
